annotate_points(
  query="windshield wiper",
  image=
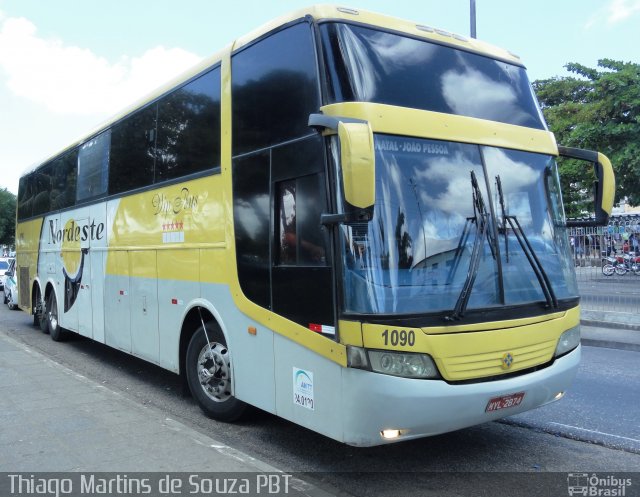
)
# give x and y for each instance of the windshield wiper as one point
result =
(481, 220)
(534, 262)
(504, 216)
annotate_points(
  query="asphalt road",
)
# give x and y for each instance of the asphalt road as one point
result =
(563, 437)
(608, 293)
(603, 405)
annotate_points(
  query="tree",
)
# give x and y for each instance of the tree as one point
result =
(7, 217)
(598, 110)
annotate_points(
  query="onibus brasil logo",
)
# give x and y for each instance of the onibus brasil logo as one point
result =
(598, 486)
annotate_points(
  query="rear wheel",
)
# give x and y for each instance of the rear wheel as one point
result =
(620, 269)
(208, 368)
(57, 333)
(39, 316)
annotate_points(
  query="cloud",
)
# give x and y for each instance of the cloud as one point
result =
(614, 12)
(619, 10)
(72, 80)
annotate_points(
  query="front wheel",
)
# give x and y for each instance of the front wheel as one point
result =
(608, 269)
(208, 368)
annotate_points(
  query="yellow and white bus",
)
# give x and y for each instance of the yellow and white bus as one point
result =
(348, 220)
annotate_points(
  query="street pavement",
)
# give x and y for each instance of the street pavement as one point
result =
(55, 420)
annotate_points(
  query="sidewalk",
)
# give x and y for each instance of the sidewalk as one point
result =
(54, 420)
(611, 330)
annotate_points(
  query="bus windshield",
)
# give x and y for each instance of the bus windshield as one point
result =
(447, 212)
(369, 65)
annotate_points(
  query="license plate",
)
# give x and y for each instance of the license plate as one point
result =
(505, 402)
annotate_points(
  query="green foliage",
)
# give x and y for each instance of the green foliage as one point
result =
(598, 110)
(7, 217)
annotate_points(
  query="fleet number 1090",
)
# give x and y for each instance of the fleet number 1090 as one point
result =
(401, 338)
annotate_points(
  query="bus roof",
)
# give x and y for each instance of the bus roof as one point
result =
(319, 13)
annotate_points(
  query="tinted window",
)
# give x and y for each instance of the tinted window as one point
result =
(132, 151)
(372, 66)
(286, 196)
(41, 179)
(63, 181)
(300, 203)
(274, 89)
(251, 205)
(25, 197)
(50, 187)
(93, 167)
(189, 128)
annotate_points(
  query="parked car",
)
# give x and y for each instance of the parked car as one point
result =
(10, 286)
(4, 266)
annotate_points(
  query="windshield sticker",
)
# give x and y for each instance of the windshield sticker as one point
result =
(411, 147)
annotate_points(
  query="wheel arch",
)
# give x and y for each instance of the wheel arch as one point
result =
(191, 322)
(35, 289)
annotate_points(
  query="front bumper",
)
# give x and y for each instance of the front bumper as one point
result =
(374, 402)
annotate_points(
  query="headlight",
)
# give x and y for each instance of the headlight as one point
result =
(569, 340)
(403, 364)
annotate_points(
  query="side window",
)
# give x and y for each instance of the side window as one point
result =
(189, 128)
(301, 241)
(63, 181)
(286, 197)
(274, 89)
(41, 179)
(25, 197)
(132, 151)
(93, 167)
(251, 213)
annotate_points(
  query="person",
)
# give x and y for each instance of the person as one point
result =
(634, 242)
(611, 247)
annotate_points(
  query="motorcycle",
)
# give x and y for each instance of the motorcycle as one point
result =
(621, 264)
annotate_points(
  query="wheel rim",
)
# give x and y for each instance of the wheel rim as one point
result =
(52, 313)
(214, 371)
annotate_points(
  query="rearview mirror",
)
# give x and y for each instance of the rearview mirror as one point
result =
(357, 158)
(604, 186)
(357, 161)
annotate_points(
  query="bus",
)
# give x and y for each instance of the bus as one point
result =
(350, 221)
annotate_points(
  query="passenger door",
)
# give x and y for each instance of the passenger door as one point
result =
(301, 275)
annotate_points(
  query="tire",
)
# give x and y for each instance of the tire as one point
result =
(620, 269)
(39, 314)
(9, 300)
(57, 333)
(608, 269)
(213, 394)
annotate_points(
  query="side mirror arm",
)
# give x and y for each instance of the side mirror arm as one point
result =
(604, 186)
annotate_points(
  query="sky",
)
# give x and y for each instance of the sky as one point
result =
(68, 65)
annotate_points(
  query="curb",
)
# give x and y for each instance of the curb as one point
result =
(609, 344)
(610, 324)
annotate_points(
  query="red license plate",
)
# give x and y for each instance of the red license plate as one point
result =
(505, 402)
